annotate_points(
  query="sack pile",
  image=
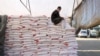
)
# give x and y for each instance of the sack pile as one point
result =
(34, 36)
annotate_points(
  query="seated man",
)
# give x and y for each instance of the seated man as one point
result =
(55, 17)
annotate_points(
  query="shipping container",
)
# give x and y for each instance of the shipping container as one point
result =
(86, 14)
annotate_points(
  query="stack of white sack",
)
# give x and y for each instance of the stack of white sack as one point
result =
(34, 36)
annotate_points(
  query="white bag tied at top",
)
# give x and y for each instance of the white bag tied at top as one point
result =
(34, 36)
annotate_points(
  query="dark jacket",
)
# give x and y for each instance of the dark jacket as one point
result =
(55, 14)
(55, 17)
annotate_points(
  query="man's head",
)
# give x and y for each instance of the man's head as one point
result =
(59, 8)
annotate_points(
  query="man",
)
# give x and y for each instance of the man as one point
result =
(55, 17)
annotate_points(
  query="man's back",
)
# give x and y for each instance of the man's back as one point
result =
(55, 14)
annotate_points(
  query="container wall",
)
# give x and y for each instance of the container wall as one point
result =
(87, 14)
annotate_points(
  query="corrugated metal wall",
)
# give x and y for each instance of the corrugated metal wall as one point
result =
(87, 14)
(3, 22)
